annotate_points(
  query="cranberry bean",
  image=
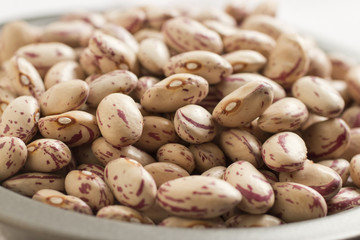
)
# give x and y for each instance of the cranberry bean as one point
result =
(5, 98)
(340, 65)
(143, 84)
(354, 145)
(320, 65)
(206, 156)
(245, 61)
(131, 19)
(123, 214)
(341, 166)
(347, 198)
(165, 171)
(153, 55)
(248, 220)
(216, 172)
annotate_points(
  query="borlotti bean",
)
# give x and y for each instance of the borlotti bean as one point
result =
(130, 183)
(297, 202)
(346, 198)
(270, 176)
(60, 200)
(221, 28)
(214, 14)
(341, 166)
(341, 65)
(355, 169)
(234, 110)
(20, 118)
(284, 152)
(13, 155)
(181, 222)
(74, 128)
(245, 61)
(198, 197)
(210, 66)
(177, 154)
(143, 84)
(29, 183)
(94, 168)
(148, 33)
(257, 193)
(174, 92)
(123, 214)
(131, 19)
(354, 145)
(5, 98)
(352, 116)
(217, 172)
(97, 20)
(165, 171)
(320, 64)
(249, 220)
(63, 71)
(206, 156)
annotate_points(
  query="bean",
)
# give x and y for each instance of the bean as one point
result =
(245, 61)
(165, 171)
(221, 28)
(84, 155)
(354, 147)
(123, 214)
(346, 198)
(148, 33)
(217, 172)
(341, 166)
(156, 16)
(266, 8)
(320, 65)
(214, 14)
(237, 9)
(340, 65)
(270, 176)
(351, 116)
(93, 168)
(153, 55)
(156, 213)
(131, 19)
(248, 220)
(143, 84)
(190, 223)
(5, 98)
(97, 20)
(206, 156)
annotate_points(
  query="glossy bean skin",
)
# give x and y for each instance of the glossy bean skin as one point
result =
(321, 178)
(234, 111)
(94, 168)
(105, 152)
(181, 222)
(207, 156)
(210, 66)
(117, 81)
(177, 154)
(120, 121)
(74, 128)
(47, 155)
(13, 156)
(327, 139)
(296, 202)
(153, 55)
(241, 145)
(130, 183)
(217, 172)
(245, 61)
(184, 34)
(29, 183)
(60, 200)
(346, 198)
(165, 171)
(258, 195)
(341, 166)
(284, 152)
(174, 92)
(123, 214)
(90, 188)
(20, 118)
(318, 96)
(248, 220)
(197, 197)
(64, 97)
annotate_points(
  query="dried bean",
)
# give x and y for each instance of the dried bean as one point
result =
(165, 171)
(123, 214)
(248, 220)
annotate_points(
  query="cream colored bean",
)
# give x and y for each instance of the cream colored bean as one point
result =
(13, 155)
(63, 71)
(296, 202)
(64, 97)
(177, 154)
(341, 65)
(198, 197)
(248, 220)
(245, 61)
(74, 128)
(354, 145)
(180, 222)
(165, 171)
(211, 100)
(351, 116)
(130, 183)
(238, 10)
(120, 121)
(258, 195)
(131, 19)
(29, 183)
(249, 40)
(84, 155)
(194, 124)
(5, 98)
(284, 152)
(355, 169)
(174, 92)
(117, 81)
(221, 28)
(44, 55)
(270, 176)
(341, 166)
(287, 114)
(93, 168)
(20, 118)
(148, 33)
(185, 34)
(241, 145)
(153, 55)
(216, 172)
(347, 198)
(90, 188)
(157, 131)
(323, 179)
(47, 155)
(123, 214)
(319, 96)
(288, 61)
(91, 63)
(254, 129)
(105, 152)
(312, 119)
(156, 15)
(353, 82)
(143, 84)
(66, 202)
(327, 140)
(95, 19)
(208, 65)
(214, 14)
(234, 110)
(320, 64)
(207, 156)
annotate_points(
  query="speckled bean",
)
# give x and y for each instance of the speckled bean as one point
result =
(143, 84)
(89, 62)
(95, 19)
(327, 140)
(206, 156)
(153, 55)
(60, 200)
(177, 154)
(208, 65)
(353, 82)
(355, 169)
(340, 65)
(5, 98)
(287, 114)
(185, 34)
(123, 214)
(245, 61)
(249, 220)
(20, 118)
(284, 152)
(94, 168)
(354, 145)
(156, 15)
(258, 195)
(296, 202)
(130, 183)
(131, 19)
(347, 198)
(29, 183)
(74, 128)
(216, 14)
(156, 213)
(165, 171)
(221, 28)
(216, 172)
(320, 64)
(117, 81)
(244, 104)
(341, 166)
(198, 197)
(13, 155)
(120, 121)
(174, 92)
(351, 116)
(148, 33)
(241, 145)
(270, 176)
(180, 222)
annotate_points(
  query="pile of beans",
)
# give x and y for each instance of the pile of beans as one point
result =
(178, 117)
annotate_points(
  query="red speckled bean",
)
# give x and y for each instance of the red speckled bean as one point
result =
(352, 116)
(143, 84)
(131, 19)
(341, 166)
(245, 61)
(340, 65)
(165, 171)
(347, 198)
(94, 168)
(216, 172)
(355, 169)
(320, 64)
(354, 145)
(153, 55)
(207, 155)
(353, 82)
(123, 214)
